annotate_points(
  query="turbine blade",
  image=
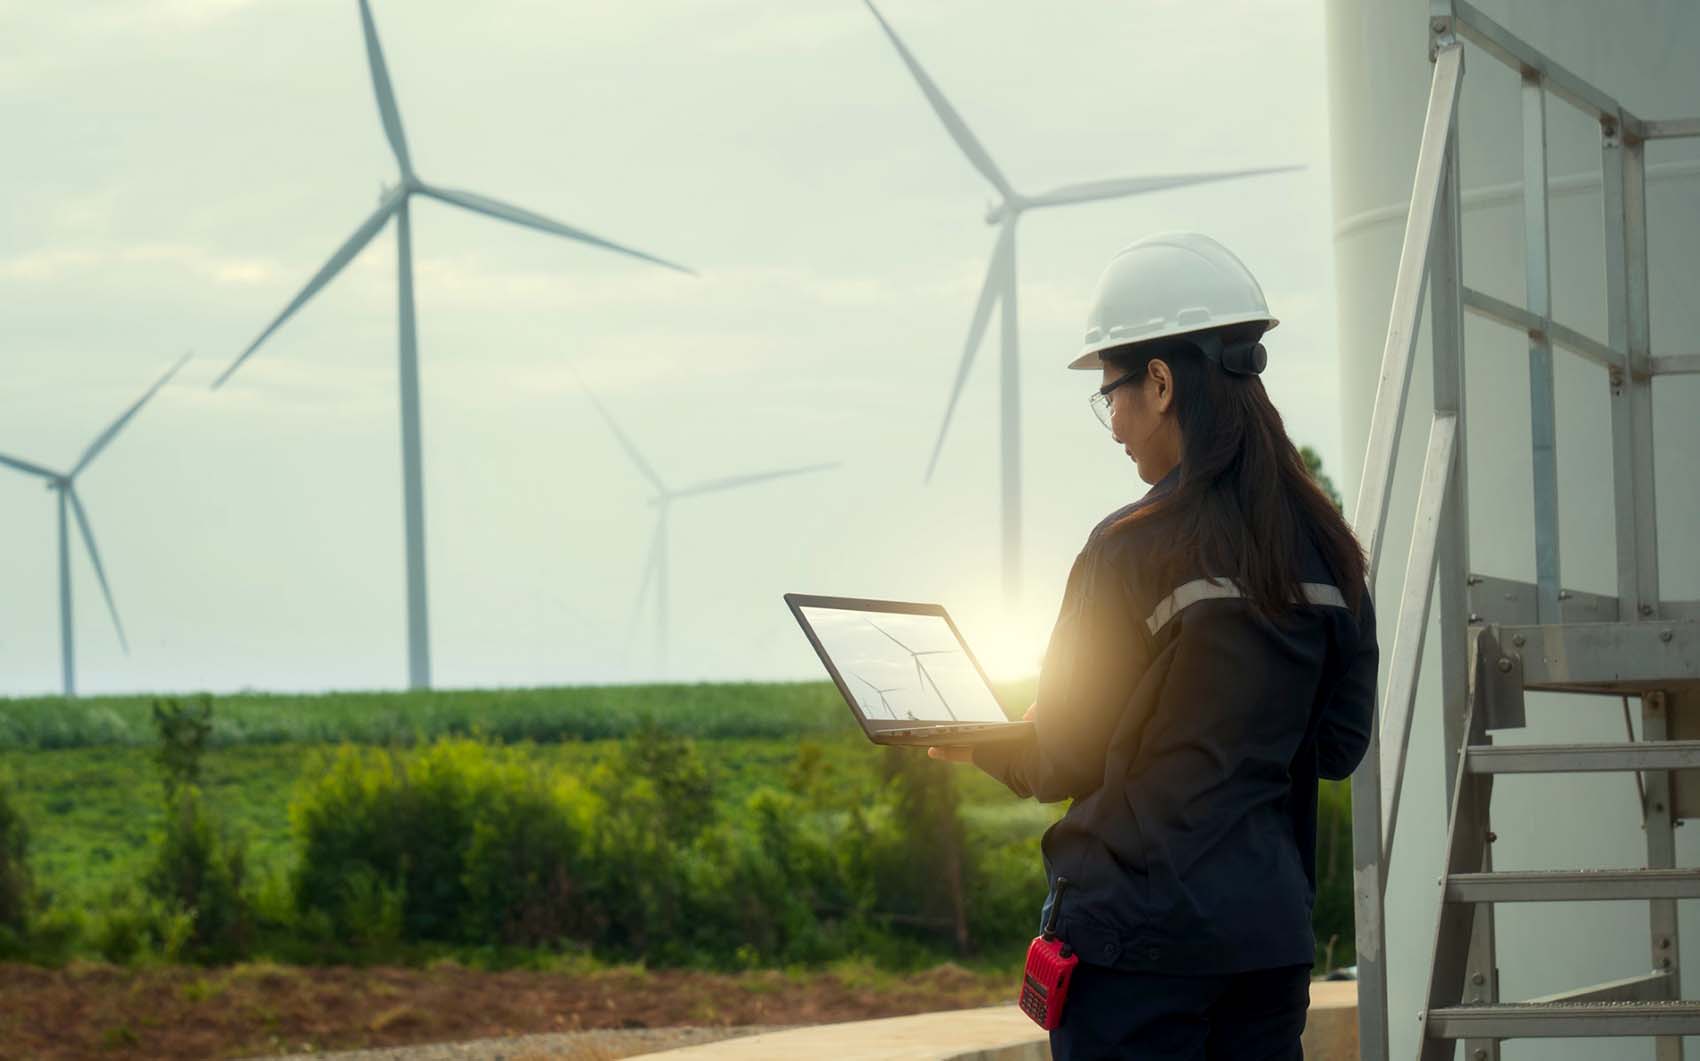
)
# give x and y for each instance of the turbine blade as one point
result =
(620, 436)
(117, 425)
(989, 293)
(1118, 188)
(26, 467)
(384, 90)
(99, 568)
(953, 122)
(714, 485)
(480, 204)
(893, 640)
(344, 254)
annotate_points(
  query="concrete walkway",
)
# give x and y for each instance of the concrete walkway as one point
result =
(990, 1033)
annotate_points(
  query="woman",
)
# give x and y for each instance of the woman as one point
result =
(1214, 656)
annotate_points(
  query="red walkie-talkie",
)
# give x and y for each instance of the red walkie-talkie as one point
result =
(1050, 965)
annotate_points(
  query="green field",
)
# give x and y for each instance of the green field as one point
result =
(701, 711)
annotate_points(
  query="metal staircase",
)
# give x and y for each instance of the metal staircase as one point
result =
(1500, 639)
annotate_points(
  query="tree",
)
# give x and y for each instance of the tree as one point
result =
(1313, 464)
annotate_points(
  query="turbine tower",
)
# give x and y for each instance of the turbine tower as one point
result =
(394, 203)
(999, 286)
(70, 505)
(655, 568)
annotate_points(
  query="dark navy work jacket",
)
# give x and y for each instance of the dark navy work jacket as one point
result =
(1190, 732)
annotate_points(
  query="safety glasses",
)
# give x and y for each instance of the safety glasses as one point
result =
(1101, 399)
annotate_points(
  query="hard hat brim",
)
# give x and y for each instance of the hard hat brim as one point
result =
(1089, 356)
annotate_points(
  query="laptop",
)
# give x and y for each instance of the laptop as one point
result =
(905, 671)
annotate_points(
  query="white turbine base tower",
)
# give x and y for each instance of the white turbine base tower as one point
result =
(395, 203)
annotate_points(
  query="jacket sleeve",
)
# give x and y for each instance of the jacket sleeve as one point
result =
(1096, 654)
(1343, 732)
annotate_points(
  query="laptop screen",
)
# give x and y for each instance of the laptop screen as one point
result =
(904, 666)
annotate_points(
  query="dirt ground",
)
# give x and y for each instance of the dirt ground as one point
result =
(98, 1011)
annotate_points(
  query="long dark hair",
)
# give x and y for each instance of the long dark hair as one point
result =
(1245, 499)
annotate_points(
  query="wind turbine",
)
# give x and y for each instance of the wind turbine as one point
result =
(877, 691)
(655, 568)
(999, 285)
(394, 203)
(923, 677)
(70, 505)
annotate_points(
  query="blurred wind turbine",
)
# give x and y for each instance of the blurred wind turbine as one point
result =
(999, 285)
(655, 568)
(65, 485)
(923, 677)
(877, 691)
(393, 202)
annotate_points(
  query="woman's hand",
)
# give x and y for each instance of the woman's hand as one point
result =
(962, 753)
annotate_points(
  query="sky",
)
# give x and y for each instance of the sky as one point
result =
(176, 170)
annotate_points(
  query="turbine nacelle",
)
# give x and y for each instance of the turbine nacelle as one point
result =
(1010, 208)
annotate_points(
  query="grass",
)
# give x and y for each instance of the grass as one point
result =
(576, 713)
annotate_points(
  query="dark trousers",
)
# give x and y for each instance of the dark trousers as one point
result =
(1255, 1016)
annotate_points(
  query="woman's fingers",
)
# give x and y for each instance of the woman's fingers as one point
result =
(956, 753)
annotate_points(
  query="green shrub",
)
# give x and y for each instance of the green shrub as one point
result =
(16, 887)
(466, 842)
(196, 906)
(200, 872)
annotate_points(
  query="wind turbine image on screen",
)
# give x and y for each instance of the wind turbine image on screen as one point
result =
(655, 568)
(999, 286)
(922, 676)
(882, 693)
(64, 484)
(394, 203)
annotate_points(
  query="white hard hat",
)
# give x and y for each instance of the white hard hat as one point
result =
(1167, 285)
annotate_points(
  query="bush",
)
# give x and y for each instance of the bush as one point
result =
(194, 903)
(458, 843)
(16, 887)
(199, 872)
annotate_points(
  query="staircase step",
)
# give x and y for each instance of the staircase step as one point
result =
(1583, 758)
(1532, 1020)
(1572, 885)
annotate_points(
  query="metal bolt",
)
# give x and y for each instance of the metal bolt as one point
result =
(1504, 665)
(1475, 618)
(1664, 635)
(1492, 836)
(1660, 807)
(1664, 943)
(1664, 963)
(1478, 979)
(1645, 609)
(1480, 1055)
(1519, 640)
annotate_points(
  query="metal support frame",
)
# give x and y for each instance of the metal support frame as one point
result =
(1552, 638)
(1661, 854)
(1543, 416)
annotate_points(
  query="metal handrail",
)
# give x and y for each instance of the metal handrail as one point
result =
(1369, 513)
